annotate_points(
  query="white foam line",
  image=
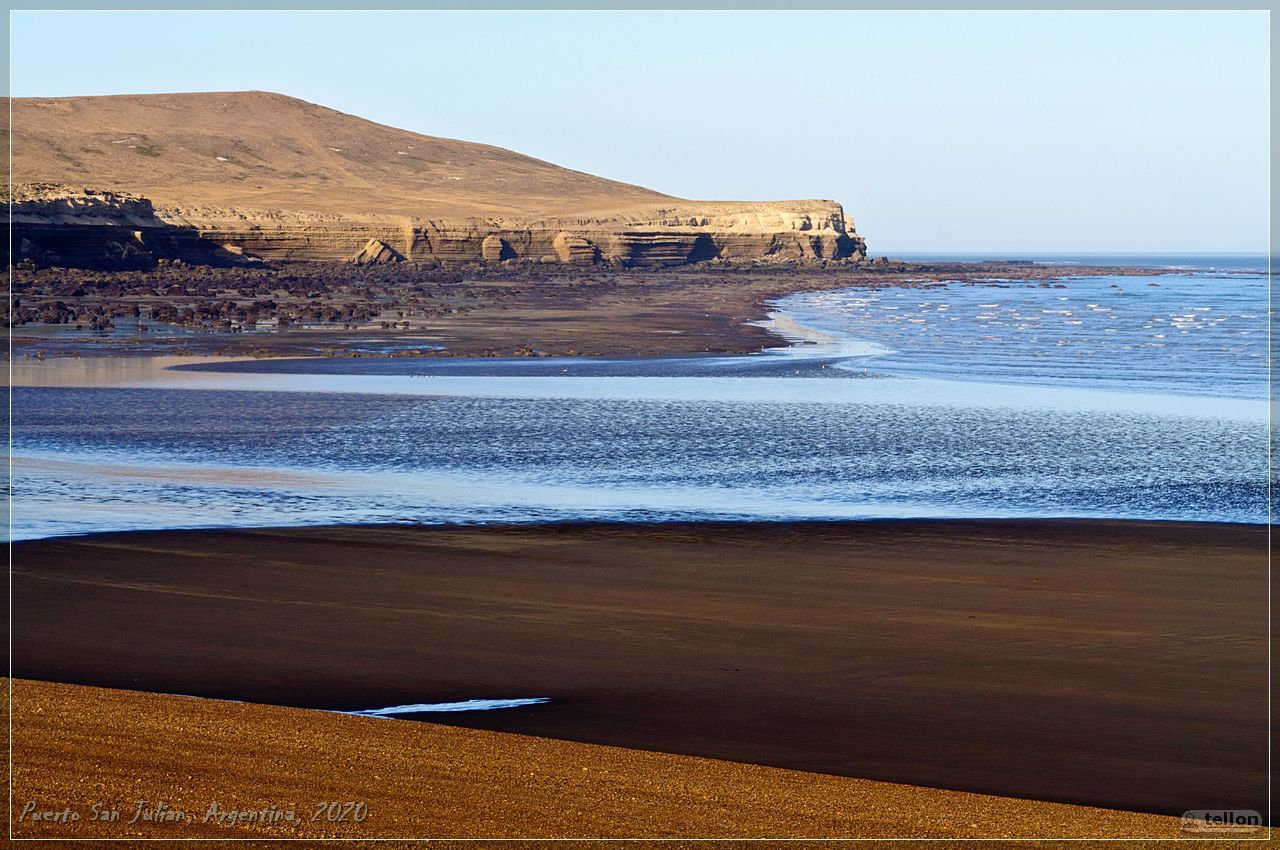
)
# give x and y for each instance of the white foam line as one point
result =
(465, 705)
(809, 341)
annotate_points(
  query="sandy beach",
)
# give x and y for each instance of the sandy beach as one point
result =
(1112, 664)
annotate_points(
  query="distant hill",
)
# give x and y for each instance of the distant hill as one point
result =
(258, 149)
(270, 176)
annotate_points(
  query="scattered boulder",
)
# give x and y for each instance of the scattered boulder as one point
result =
(377, 253)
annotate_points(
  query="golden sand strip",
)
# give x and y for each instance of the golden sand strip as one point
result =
(76, 747)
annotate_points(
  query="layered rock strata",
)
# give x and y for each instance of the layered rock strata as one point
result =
(58, 225)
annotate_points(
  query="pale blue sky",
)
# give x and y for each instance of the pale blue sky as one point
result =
(938, 131)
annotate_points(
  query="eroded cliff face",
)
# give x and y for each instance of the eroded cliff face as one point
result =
(803, 230)
(54, 225)
(60, 225)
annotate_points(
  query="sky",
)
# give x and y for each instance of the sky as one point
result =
(937, 131)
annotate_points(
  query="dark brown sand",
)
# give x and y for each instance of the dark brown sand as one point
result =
(76, 747)
(1116, 664)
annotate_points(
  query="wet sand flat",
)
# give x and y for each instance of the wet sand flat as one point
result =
(1117, 664)
(76, 747)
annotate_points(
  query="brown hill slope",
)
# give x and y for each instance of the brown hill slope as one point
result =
(276, 177)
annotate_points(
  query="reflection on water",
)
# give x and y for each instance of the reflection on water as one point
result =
(101, 371)
(821, 430)
(86, 460)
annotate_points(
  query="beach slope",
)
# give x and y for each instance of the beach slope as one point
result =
(1116, 664)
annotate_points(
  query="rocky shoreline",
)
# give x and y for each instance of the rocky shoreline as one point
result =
(468, 310)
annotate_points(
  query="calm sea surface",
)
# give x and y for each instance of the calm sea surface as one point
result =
(1139, 397)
